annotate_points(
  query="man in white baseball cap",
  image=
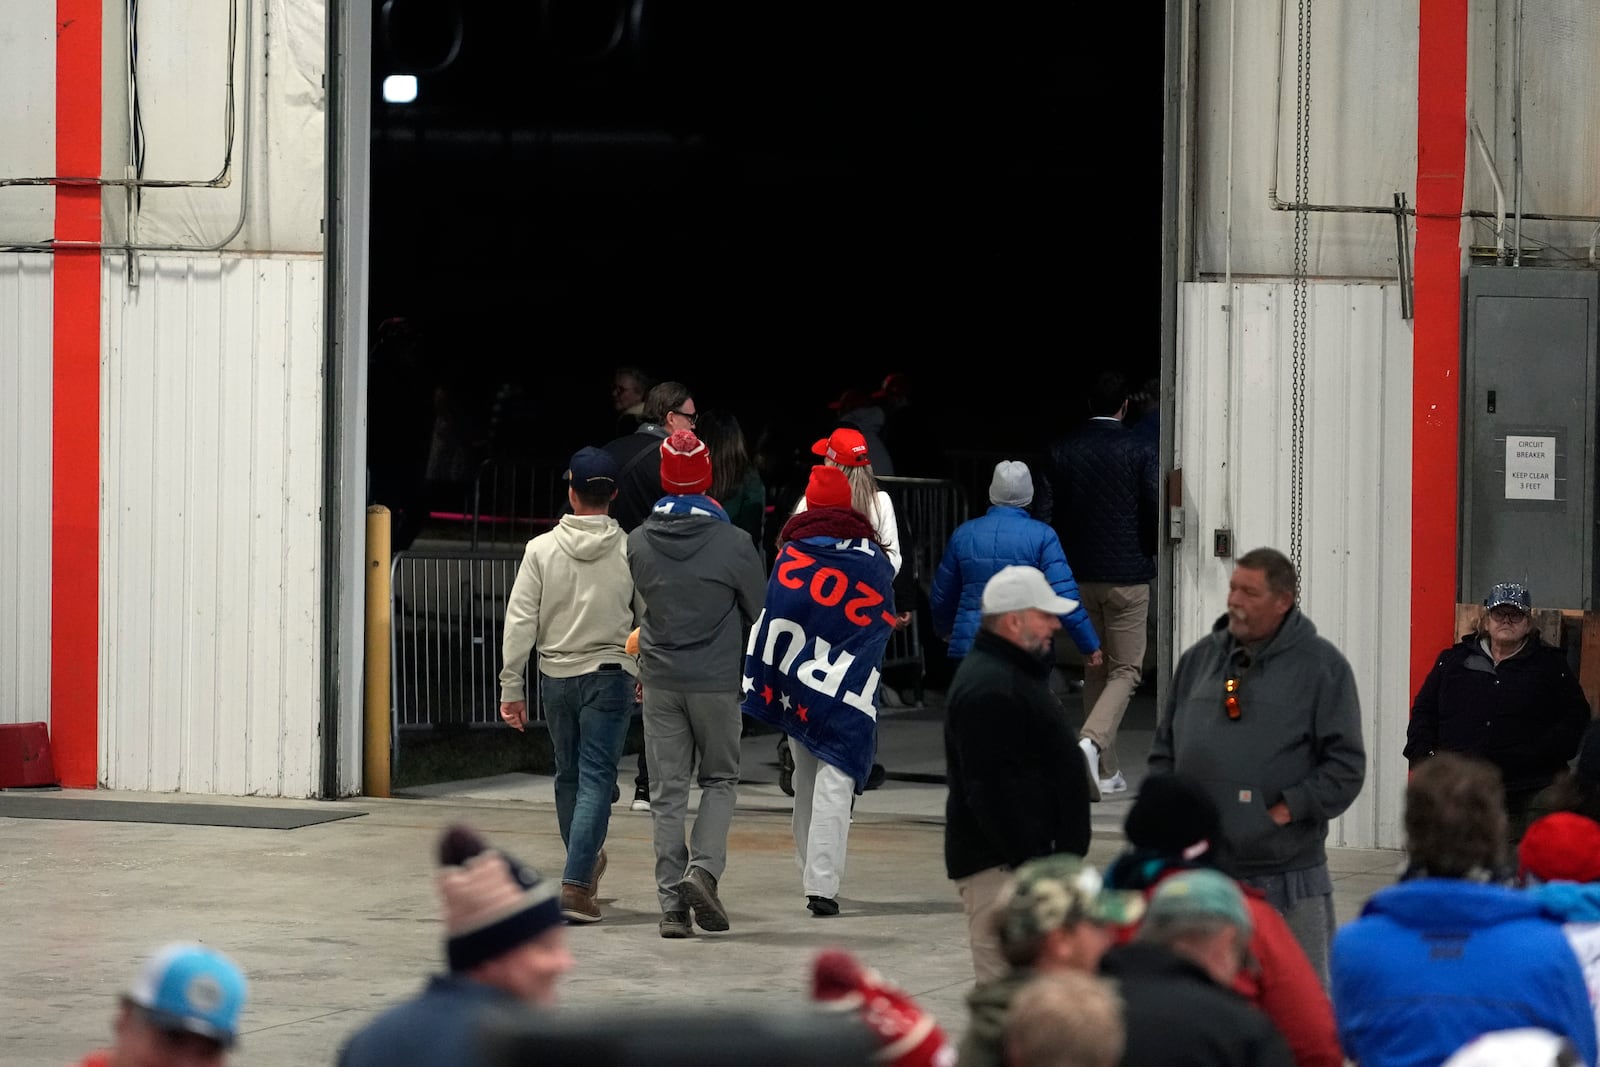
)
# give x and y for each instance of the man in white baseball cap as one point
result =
(1011, 756)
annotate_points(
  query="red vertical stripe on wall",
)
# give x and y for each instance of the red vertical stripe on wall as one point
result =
(1436, 367)
(75, 405)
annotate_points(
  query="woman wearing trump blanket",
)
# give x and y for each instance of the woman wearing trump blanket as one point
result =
(811, 669)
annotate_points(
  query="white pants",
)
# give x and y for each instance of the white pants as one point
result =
(822, 796)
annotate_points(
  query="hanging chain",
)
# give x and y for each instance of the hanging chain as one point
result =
(1302, 222)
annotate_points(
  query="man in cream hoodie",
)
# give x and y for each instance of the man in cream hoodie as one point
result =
(573, 600)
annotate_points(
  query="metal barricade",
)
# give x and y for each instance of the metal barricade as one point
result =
(928, 511)
(513, 501)
(445, 626)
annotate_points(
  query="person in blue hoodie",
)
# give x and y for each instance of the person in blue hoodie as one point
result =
(1449, 953)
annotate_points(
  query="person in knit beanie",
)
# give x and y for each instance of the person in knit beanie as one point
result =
(505, 946)
(699, 579)
(1174, 826)
(980, 548)
(832, 590)
(907, 1035)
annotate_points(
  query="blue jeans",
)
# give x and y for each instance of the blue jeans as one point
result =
(588, 721)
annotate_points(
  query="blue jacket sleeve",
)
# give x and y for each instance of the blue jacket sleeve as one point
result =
(1053, 562)
(945, 596)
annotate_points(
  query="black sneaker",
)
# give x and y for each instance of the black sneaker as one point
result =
(641, 798)
(785, 769)
(699, 889)
(822, 907)
(616, 792)
(675, 924)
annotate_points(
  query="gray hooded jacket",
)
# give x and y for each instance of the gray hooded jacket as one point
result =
(702, 584)
(1298, 740)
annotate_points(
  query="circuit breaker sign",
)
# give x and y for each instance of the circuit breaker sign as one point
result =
(1530, 468)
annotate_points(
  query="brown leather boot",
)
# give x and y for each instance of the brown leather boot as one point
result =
(578, 906)
(599, 869)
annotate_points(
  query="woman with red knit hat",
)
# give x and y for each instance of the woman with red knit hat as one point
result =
(811, 669)
(846, 449)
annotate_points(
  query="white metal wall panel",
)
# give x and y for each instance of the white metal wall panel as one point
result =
(210, 675)
(1363, 109)
(27, 119)
(1235, 398)
(25, 390)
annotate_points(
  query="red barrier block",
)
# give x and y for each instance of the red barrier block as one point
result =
(25, 755)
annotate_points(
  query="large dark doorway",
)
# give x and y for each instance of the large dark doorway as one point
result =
(771, 202)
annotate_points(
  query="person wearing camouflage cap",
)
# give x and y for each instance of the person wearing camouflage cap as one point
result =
(1055, 916)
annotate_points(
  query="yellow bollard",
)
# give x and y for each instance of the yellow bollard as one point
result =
(376, 734)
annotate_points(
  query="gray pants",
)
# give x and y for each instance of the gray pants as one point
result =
(1309, 917)
(679, 729)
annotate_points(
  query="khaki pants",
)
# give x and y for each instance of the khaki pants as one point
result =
(1118, 613)
(980, 899)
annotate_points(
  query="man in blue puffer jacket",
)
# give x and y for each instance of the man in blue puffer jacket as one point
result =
(1002, 537)
(1447, 954)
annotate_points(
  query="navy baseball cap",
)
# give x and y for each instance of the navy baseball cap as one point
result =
(1509, 594)
(191, 988)
(592, 470)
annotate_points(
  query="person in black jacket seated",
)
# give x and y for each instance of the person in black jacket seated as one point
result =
(1175, 977)
(1507, 697)
(1010, 755)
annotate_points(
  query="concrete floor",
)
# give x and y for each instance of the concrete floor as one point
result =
(334, 922)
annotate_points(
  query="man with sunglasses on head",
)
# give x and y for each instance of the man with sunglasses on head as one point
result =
(1265, 714)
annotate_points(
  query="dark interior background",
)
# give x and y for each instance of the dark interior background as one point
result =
(770, 202)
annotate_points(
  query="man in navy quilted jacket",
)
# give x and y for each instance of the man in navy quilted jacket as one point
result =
(1100, 495)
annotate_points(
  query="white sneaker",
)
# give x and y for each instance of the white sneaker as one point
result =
(1115, 784)
(1091, 759)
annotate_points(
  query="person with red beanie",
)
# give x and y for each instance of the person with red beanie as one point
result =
(907, 1035)
(1559, 859)
(699, 579)
(811, 669)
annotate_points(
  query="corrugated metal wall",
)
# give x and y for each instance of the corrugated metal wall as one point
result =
(210, 542)
(25, 339)
(1234, 447)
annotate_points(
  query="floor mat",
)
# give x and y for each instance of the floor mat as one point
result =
(14, 806)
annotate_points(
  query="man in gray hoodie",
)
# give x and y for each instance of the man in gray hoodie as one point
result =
(702, 584)
(1265, 714)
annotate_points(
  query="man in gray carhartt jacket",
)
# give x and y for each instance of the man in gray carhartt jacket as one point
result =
(701, 582)
(1265, 713)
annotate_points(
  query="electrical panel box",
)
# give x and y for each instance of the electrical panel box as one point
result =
(1528, 434)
